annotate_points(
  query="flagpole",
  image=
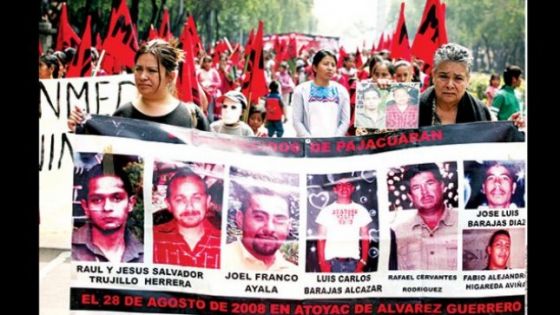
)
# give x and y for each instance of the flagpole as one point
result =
(98, 65)
(246, 111)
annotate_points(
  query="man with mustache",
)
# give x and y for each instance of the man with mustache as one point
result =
(499, 186)
(188, 239)
(498, 250)
(343, 237)
(107, 204)
(427, 239)
(264, 219)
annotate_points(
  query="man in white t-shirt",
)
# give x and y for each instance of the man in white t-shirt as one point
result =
(342, 227)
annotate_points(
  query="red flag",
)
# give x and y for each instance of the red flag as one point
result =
(40, 49)
(276, 44)
(152, 34)
(280, 54)
(98, 43)
(388, 40)
(359, 61)
(381, 42)
(373, 49)
(254, 83)
(164, 27)
(292, 47)
(197, 43)
(81, 63)
(121, 42)
(400, 48)
(66, 36)
(187, 83)
(341, 55)
(428, 37)
(236, 56)
(248, 44)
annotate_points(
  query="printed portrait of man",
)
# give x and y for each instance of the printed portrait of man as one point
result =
(107, 231)
(494, 184)
(494, 249)
(263, 220)
(426, 238)
(188, 237)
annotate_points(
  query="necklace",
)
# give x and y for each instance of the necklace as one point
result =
(435, 117)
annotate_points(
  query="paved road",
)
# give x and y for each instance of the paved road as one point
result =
(54, 281)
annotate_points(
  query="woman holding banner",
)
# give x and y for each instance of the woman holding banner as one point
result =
(155, 71)
(448, 101)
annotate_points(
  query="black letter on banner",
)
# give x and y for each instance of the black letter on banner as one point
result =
(120, 90)
(98, 99)
(56, 110)
(42, 154)
(85, 89)
(65, 142)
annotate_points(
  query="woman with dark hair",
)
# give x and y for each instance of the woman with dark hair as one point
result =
(321, 107)
(47, 66)
(155, 72)
(492, 89)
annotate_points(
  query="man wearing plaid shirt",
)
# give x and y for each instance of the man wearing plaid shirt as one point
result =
(188, 239)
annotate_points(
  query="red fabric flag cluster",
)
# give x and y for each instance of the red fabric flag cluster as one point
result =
(187, 83)
(121, 42)
(66, 36)
(254, 83)
(81, 63)
(164, 27)
(197, 44)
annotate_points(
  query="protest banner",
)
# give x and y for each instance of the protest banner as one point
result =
(260, 201)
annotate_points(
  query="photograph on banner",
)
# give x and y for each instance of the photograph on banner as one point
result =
(402, 106)
(342, 222)
(187, 223)
(263, 221)
(399, 193)
(494, 249)
(494, 184)
(108, 208)
(426, 237)
(370, 105)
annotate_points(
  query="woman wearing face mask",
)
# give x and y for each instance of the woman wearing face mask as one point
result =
(155, 71)
(233, 103)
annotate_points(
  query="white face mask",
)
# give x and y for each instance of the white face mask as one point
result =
(231, 112)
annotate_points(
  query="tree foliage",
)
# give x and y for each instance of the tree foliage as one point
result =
(493, 29)
(215, 19)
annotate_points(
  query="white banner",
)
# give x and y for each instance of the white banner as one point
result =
(97, 95)
(265, 253)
